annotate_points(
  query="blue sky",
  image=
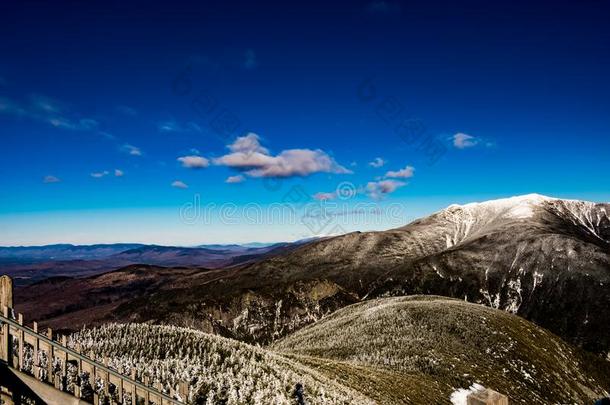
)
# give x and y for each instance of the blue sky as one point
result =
(115, 117)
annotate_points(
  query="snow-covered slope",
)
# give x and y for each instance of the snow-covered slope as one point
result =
(443, 344)
(471, 220)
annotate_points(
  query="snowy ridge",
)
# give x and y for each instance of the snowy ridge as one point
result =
(470, 218)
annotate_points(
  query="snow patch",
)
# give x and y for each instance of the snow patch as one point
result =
(460, 396)
(514, 299)
(537, 279)
(438, 272)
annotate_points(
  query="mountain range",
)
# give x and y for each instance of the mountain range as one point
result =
(29, 264)
(544, 259)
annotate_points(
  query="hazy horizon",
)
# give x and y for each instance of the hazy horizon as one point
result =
(363, 220)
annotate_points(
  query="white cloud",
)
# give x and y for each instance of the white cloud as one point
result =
(235, 179)
(118, 173)
(179, 184)
(249, 143)
(378, 189)
(463, 141)
(325, 196)
(377, 162)
(405, 173)
(132, 150)
(194, 162)
(50, 179)
(255, 161)
(168, 126)
(99, 175)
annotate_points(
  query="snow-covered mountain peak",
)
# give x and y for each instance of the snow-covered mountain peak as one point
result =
(506, 202)
(517, 207)
(469, 220)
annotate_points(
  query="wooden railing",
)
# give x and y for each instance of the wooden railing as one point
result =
(12, 330)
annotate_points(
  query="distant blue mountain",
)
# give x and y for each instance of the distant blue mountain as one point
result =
(63, 252)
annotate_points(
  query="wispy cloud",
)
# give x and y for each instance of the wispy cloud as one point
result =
(126, 110)
(50, 179)
(59, 115)
(99, 175)
(85, 124)
(131, 150)
(249, 156)
(174, 126)
(179, 184)
(235, 179)
(118, 173)
(377, 162)
(10, 107)
(49, 111)
(168, 126)
(46, 104)
(407, 172)
(194, 162)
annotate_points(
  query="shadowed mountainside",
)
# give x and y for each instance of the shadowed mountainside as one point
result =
(545, 259)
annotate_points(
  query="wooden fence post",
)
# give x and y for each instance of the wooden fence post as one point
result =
(51, 357)
(6, 291)
(134, 392)
(5, 350)
(183, 390)
(21, 342)
(64, 361)
(35, 350)
(486, 396)
(119, 389)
